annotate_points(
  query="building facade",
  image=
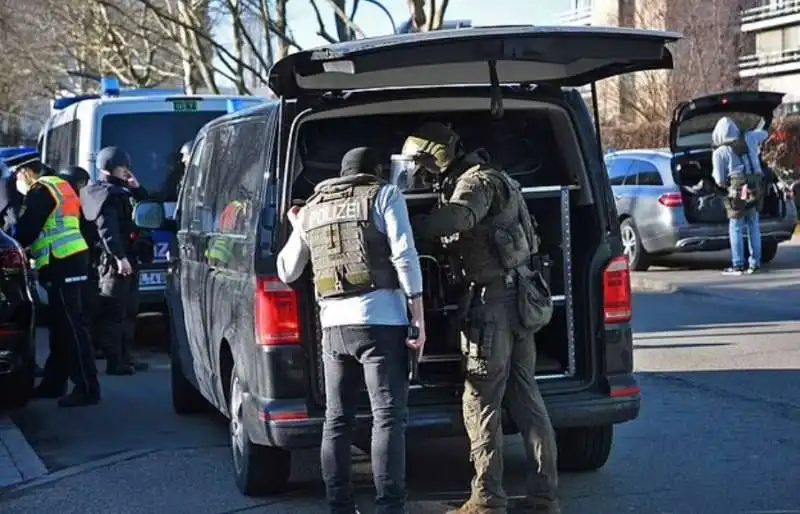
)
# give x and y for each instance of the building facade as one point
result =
(775, 60)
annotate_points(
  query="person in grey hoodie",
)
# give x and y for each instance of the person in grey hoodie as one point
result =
(735, 158)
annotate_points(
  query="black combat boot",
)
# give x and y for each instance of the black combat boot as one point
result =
(78, 398)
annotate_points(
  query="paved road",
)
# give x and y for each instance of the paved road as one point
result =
(717, 435)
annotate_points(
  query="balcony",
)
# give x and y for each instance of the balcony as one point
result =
(580, 16)
(770, 63)
(771, 14)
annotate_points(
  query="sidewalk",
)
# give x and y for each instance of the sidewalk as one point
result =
(777, 285)
(18, 461)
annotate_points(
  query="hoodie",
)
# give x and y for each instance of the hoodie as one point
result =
(725, 160)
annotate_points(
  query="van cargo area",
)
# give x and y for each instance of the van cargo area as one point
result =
(535, 143)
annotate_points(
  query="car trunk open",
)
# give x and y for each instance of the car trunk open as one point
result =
(536, 143)
(691, 145)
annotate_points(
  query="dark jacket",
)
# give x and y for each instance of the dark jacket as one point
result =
(37, 207)
(109, 206)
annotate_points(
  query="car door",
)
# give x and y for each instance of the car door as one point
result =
(193, 268)
(644, 206)
(617, 175)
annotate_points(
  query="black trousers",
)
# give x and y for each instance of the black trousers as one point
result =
(117, 308)
(71, 353)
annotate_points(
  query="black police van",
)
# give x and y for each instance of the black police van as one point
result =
(250, 345)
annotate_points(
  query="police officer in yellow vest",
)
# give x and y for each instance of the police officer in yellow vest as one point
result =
(49, 226)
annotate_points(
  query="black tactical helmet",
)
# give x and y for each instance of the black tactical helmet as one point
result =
(74, 175)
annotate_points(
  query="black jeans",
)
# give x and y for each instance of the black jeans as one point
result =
(117, 308)
(71, 354)
(380, 353)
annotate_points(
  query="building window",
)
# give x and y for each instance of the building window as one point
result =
(770, 41)
(791, 38)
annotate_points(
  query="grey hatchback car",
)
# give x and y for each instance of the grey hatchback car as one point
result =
(661, 201)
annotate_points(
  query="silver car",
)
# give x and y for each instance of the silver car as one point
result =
(659, 195)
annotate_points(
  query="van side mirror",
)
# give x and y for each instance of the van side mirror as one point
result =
(149, 215)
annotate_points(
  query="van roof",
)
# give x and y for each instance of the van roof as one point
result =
(255, 110)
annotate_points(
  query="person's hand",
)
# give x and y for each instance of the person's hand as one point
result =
(132, 181)
(124, 267)
(417, 344)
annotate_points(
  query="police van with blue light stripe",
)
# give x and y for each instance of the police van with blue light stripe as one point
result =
(151, 125)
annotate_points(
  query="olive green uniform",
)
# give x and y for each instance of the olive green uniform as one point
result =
(496, 238)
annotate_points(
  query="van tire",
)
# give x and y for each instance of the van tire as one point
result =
(584, 448)
(769, 249)
(638, 258)
(186, 399)
(259, 470)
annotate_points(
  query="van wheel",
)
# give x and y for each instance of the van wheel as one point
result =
(638, 258)
(769, 249)
(259, 470)
(186, 399)
(584, 448)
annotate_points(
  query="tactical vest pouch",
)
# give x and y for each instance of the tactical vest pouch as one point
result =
(534, 302)
(512, 245)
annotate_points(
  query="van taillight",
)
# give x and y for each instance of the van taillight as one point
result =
(277, 313)
(617, 300)
(12, 259)
(670, 200)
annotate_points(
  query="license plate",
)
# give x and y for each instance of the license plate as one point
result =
(184, 105)
(150, 279)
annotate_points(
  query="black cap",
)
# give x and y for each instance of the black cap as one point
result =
(23, 159)
(360, 160)
(112, 157)
(74, 174)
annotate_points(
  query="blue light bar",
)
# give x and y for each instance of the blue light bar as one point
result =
(234, 104)
(109, 86)
(63, 103)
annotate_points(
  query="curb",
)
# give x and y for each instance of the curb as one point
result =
(29, 466)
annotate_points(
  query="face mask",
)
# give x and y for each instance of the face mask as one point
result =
(22, 187)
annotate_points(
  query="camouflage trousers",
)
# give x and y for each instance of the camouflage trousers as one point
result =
(501, 361)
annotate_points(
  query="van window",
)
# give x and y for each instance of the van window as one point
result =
(188, 187)
(153, 140)
(62, 145)
(201, 200)
(239, 173)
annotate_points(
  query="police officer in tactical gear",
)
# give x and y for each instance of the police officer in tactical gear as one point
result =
(356, 233)
(109, 204)
(483, 210)
(49, 225)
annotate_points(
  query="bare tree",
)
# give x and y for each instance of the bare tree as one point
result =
(706, 60)
(427, 15)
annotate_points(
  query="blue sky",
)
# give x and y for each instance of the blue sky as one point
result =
(374, 22)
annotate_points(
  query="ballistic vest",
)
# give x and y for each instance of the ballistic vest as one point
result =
(61, 234)
(503, 241)
(349, 255)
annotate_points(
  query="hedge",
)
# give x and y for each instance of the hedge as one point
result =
(634, 136)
